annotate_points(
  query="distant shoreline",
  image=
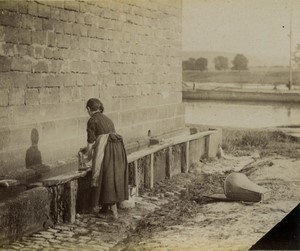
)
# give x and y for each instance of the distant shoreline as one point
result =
(276, 76)
(283, 96)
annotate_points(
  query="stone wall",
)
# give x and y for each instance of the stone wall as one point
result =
(54, 55)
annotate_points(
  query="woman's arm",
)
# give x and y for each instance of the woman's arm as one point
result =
(87, 151)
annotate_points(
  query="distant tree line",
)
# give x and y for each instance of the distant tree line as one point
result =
(240, 63)
(297, 55)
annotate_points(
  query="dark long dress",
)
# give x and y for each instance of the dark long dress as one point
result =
(113, 177)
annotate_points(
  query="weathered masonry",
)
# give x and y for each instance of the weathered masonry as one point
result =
(54, 55)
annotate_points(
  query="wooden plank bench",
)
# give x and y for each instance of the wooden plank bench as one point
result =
(167, 144)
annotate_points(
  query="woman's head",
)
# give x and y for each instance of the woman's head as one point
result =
(94, 105)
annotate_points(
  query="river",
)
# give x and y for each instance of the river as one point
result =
(242, 114)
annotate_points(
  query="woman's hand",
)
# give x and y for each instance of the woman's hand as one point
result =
(85, 154)
(83, 150)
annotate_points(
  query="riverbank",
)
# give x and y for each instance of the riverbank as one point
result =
(270, 76)
(254, 95)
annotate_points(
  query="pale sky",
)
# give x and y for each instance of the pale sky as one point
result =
(257, 27)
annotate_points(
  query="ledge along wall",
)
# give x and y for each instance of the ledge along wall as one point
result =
(54, 55)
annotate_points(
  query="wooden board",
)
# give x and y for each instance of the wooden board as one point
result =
(64, 178)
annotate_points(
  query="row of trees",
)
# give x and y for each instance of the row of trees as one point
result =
(297, 55)
(240, 62)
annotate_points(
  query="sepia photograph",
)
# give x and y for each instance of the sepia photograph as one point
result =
(162, 125)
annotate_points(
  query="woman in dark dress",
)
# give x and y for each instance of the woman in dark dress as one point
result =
(110, 184)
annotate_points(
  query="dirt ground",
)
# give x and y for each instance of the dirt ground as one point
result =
(183, 219)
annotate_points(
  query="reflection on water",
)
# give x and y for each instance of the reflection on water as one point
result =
(241, 114)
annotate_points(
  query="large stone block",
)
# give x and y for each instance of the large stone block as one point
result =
(32, 8)
(66, 95)
(9, 18)
(5, 64)
(40, 67)
(23, 7)
(63, 41)
(7, 5)
(83, 30)
(53, 80)
(7, 49)
(49, 95)
(67, 16)
(90, 92)
(52, 39)
(71, 5)
(68, 28)
(11, 35)
(48, 53)
(22, 50)
(21, 64)
(92, 32)
(24, 37)
(39, 37)
(34, 80)
(38, 26)
(16, 96)
(38, 52)
(90, 79)
(44, 11)
(26, 213)
(48, 24)
(55, 66)
(81, 66)
(58, 54)
(32, 96)
(58, 27)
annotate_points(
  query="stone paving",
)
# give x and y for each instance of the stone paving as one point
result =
(88, 232)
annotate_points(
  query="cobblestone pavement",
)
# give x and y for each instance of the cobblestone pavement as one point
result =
(88, 232)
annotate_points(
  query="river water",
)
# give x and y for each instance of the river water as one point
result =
(242, 114)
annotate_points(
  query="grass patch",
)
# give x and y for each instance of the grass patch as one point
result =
(245, 141)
